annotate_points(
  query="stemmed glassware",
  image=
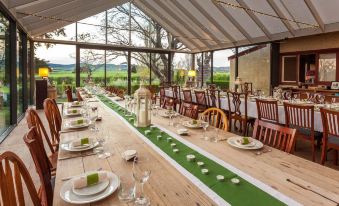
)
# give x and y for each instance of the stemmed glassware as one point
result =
(170, 114)
(205, 125)
(93, 117)
(141, 174)
(102, 154)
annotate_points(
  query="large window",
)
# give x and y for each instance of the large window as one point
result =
(221, 68)
(181, 64)
(140, 70)
(19, 74)
(92, 66)
(327, 67)
(117, 69)
(4, 75)
(60, 59)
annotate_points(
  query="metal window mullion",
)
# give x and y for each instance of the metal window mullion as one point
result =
(12, 73)
(212, 62)
(24, 71)
(129, 73)
(77, 67)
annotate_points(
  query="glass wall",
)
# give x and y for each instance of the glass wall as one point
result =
(60, 59)
(19, 74)
(4, 75)
(117, 69)
(181, 63)
(92, 66)
(140, 70)
(221, 68)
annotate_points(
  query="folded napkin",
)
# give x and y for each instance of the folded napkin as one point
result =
(76, 103)
(78, 122)
(72, 111)
(89, 179)
(82, 141)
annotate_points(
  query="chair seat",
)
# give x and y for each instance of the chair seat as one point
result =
(333, 140)
(307, 133)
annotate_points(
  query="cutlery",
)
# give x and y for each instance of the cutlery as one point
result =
(82, 155)
(70, 177)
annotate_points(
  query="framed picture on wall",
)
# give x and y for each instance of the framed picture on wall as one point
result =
(334, 85)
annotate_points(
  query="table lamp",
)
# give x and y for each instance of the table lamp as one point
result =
(43, 72)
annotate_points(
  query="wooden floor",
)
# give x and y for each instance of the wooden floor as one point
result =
(14, 142)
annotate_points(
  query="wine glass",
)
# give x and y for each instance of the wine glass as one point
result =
(321, 99)
(170, 114)
(141, 174)
(93, 118)
(205, 125)
(102, 153)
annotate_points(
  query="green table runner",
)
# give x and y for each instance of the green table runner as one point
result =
(243, 193)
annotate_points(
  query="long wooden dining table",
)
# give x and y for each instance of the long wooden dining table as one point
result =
(305, 182)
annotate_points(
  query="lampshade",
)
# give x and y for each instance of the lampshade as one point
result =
(192, 73)
(43, 72)
(238, 81)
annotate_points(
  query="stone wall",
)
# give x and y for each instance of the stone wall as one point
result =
(316, 42)
(254, 67)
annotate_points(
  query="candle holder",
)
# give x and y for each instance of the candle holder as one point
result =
(143, 99)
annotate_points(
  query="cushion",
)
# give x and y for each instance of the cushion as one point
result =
(333, 140)
(307, 132)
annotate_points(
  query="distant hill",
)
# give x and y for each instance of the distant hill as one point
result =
(71, 67)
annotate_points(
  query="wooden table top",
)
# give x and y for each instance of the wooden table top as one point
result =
(271, 168)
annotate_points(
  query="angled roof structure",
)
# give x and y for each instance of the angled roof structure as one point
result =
(200, 24)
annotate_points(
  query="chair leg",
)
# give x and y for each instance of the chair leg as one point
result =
(245, 127)
(323, 154)
(313, 150)
(335, 153)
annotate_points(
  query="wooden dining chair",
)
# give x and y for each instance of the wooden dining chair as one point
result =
(13, 177)
(247, 87)
(216, 118)
(80, 99)
(277, 136)
(168, 102)
(187, 94)
(42, 166)
(68, 92)
(33, 120)
(213, 98)
(200, 100)
(162, 93)
(176, 100)
(235, 115)
(332, 98)
(330, 120)
(301, 118)
(268, 110)
(189, 110)
(54, 118)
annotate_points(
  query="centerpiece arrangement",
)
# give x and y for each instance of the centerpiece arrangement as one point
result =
(143, 100)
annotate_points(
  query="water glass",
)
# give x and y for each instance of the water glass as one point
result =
(100, 150)
(141, 174)
(126, 189)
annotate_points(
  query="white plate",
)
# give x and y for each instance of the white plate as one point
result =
(66, 113)
(69, 125)
(233, 142)
(93, 189)
(192, 126)
(166, 115)
(67, 194)
(68, 147)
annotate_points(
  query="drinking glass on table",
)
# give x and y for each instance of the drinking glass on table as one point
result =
(205, 125)
(126, 189)
(100, 150)
(93, 118)
(170, 114)
(141, 174)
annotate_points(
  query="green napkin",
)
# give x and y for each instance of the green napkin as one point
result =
(92, 179)
(84, 141)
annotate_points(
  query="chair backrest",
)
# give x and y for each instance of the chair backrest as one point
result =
(212, 86)
(187, 95)
(274, 135)
(79, 96)
(213, 98)
(247, 87)
(162, 91)
(200, 98)
(42, 165)
(54, 118)
(167, 102)
(176, 92)
(215, 117)
(13, 174)
(68, 92)
(268, 110)
(332, 98)
(299, 116)
(189, 110)
(330, 120)
(33, 120)
(234, 103)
